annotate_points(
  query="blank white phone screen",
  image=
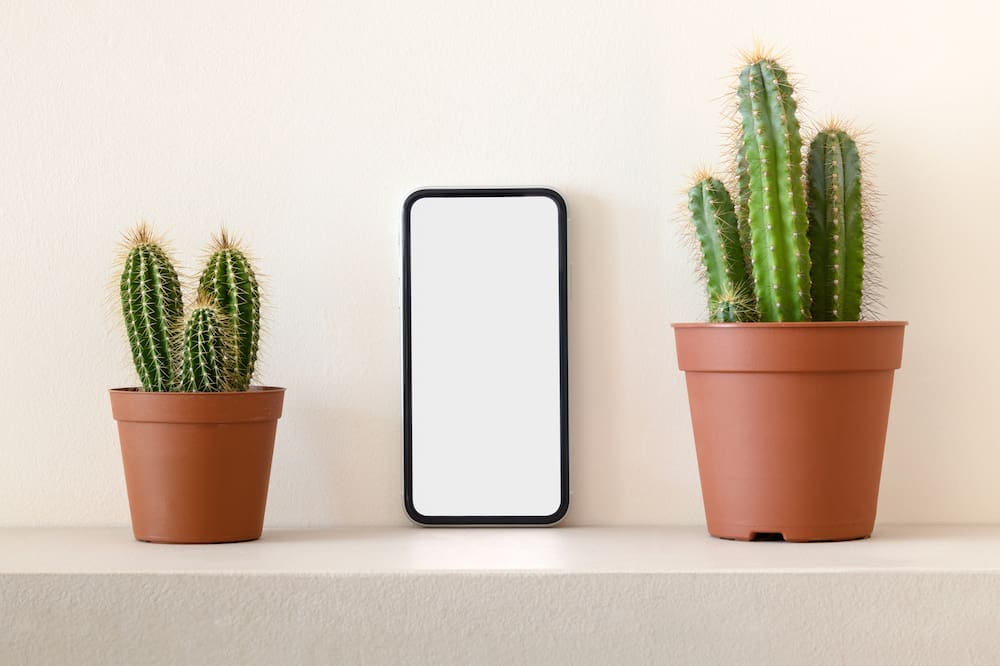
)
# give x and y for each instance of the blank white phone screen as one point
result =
(485, 356)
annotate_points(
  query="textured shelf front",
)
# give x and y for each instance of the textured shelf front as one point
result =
(480, 596)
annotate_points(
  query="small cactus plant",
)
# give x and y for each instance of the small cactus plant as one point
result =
(802, 243)
(214, 347)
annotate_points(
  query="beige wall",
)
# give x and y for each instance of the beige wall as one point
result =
(303, 125)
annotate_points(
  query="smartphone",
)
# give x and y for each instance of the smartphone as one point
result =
(485, 365)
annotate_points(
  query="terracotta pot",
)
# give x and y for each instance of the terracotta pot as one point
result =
(197, 465)
(789, 424)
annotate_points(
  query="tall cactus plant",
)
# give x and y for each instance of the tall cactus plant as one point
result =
(215, 347)
(776, 206)
(229, 279)
(803, 248)
(836, 226)
(152, 308)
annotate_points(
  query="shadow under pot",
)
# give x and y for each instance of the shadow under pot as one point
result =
(789, 424)
(197, 465)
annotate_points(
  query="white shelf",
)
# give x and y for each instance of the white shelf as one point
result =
(575, 550)
(556, 595)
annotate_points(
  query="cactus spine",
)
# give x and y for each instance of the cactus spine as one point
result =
(776, 207)
(732, 306)
(206, 346)
(836, 226)
(229, 280)
(152, 308)
(714, 219)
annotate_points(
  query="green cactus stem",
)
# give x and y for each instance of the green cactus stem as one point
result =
(229, 279)
(836, 226)
(776, 209)
(205, 347)
(743, 208)
(714, 220)
(152, 308)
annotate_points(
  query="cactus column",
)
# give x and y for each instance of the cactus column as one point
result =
(205, 348)
(776, 208)
(229, 279)
(152, 308)
(836, 226)
(714, 220)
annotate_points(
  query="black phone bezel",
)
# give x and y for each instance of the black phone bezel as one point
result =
(407, 387)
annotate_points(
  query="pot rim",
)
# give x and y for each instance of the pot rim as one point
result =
(793, 324)
(132, 404)
(252, 389)
(785, 347)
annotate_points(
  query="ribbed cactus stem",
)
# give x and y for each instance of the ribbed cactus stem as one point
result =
(714, 220)
(776, 207)
(836, 226)
(152, 308)
(229, 279)
(743, 208)
(205, 347)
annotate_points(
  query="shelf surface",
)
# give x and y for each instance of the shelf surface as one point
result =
(347, 551)
(570, 595)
